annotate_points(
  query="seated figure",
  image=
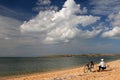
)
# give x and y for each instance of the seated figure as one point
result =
(102, 65)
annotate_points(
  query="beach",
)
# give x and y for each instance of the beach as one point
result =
(113, 72)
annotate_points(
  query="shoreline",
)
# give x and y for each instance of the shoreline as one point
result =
(72, 74)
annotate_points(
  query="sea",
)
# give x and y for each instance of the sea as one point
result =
(27, 65)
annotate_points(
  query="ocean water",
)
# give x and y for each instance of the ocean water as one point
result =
(18, 65)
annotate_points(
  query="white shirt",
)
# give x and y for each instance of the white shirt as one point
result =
(102, 64)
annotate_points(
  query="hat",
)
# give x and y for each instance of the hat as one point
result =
(102, 59)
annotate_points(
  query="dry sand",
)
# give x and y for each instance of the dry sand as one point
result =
(112, 73)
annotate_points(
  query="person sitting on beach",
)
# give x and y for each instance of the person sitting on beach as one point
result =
(102, 65)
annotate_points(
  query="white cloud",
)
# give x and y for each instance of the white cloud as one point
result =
(8, 12)
(4, 9)
(112, 33)
(90, 34)
(105, 7)
(61, 26)
(115, 19)
(115, 31)
(45, 5)
(9, 27)
(43, 2)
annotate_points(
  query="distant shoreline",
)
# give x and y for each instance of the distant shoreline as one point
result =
(64, 55)
(72, 55)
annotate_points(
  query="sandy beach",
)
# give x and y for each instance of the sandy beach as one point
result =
(112, 73)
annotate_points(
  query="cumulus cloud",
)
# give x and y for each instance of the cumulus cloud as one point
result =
(115, 32)
(61, 26)
(115, 22)
(115, 19)
(90, 34)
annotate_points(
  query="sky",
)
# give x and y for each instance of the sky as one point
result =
(32, 28)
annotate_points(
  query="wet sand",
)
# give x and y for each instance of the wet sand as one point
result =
(111, 73)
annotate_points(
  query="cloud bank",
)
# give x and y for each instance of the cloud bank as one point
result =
(115, 31)
(9, 27)
(61, 26)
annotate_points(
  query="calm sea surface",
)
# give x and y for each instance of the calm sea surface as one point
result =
(16, 66)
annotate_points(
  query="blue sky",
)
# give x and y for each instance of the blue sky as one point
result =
(45, 27)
